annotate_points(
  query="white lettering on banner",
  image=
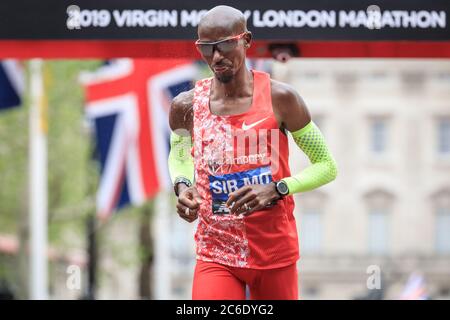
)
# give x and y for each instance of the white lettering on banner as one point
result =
(95, 18)
(148, 18)
(387, 19)
(408, 20)
(294, 18)
(191, 18)
(372, 18)
(392, 19)
(120, 17)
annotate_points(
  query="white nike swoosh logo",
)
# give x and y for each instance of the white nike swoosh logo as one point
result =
(246, 127)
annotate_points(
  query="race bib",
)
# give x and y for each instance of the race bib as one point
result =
(221, 186)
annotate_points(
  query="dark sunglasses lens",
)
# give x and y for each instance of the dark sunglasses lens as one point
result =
(205, 49)
(227, 46)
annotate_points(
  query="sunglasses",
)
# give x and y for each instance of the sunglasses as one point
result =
(224, 46)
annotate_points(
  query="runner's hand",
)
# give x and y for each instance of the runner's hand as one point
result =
(251, 198)
(188, 204)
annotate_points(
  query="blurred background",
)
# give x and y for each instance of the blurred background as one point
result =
(87, 209)
(386, 121)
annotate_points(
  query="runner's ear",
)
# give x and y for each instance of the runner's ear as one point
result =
(248, 39)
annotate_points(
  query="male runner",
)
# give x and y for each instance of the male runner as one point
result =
(229, 166)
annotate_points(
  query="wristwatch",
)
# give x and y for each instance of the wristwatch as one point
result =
(179, 180)
(282, 188)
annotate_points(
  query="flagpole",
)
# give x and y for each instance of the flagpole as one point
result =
(38, 186)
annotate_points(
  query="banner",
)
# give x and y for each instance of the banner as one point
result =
(269, 20)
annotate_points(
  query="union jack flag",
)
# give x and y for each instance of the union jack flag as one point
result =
(12, 82)
(127, 101)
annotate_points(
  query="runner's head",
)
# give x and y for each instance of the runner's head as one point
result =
(223, 40)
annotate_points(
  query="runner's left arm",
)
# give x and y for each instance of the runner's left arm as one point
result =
(323, 167)
(295, 117)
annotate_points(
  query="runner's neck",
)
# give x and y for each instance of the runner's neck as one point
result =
(240, 86)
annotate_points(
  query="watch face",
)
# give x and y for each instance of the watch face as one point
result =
(282, 187)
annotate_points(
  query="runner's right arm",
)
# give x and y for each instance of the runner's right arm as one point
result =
(181, 163)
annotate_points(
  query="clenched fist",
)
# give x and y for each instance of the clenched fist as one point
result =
(189, 201)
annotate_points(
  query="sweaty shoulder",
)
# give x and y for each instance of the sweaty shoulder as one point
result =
(288, 106)
(181, 111)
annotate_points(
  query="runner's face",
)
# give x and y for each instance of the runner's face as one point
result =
(224, 58)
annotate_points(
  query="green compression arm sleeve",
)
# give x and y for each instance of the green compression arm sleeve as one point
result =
(322, 169)
(181, 162)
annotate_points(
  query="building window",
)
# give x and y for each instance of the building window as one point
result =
(444, 137)
(441, 207)
(379, 136)
(443, 230)
(378, 231)
(311, 221)
(311, 231)
(379, 204)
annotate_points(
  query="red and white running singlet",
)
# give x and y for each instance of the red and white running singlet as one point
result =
(232, 151)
